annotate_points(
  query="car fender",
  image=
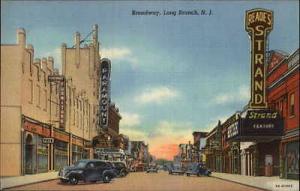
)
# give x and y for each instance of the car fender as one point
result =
(77, 175)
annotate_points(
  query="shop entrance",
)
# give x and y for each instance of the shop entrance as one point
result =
(30, 153)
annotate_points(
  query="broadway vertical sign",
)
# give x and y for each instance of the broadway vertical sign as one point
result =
(105, 68)
(259, 23)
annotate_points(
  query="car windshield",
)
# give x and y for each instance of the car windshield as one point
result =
(80, 164)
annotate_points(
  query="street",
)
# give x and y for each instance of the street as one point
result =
(143, 181)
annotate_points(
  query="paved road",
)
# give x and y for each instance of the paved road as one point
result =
(141, 181)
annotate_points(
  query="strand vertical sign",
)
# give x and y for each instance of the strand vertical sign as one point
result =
(105, 68)
(259, 23)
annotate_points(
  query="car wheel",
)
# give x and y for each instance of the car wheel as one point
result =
(73, 180)
(106, 178)
(122, 174)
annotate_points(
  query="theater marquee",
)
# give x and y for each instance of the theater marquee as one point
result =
(259, 23)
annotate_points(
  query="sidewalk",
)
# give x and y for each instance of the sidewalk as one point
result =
(273, 183)
(9, 182)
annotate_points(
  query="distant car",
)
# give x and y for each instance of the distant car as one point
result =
(121, 169)
(152, 169)
(198, 169)
(87, 171)
(175, 169)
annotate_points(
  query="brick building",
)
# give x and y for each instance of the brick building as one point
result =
(283, 96)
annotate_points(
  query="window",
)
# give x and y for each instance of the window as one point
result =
(31, 91)
(38, 96)
(45, 101)
(292, 104)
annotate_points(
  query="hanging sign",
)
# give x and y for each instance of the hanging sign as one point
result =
(259, 22)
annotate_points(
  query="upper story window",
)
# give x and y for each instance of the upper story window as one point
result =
(292, 104)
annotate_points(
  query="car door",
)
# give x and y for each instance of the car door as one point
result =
(91, 172)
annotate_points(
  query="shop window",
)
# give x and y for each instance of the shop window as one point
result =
(292, 105)
(60, 154)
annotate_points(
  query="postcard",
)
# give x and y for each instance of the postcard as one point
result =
(150, 95)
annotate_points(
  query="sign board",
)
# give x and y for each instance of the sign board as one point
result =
(259, 22)
(48, 140)
(55, 78)
(255, 125)
(60, 79)
(105, 69)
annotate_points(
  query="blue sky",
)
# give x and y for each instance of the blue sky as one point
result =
(171, 75)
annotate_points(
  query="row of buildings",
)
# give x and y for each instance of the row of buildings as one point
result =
(272, 148)
(52, 118)
(262, 139)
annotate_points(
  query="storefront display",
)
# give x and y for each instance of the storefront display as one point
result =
(292, 160)
(60, 154)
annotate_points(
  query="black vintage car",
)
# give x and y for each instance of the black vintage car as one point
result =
(87, 171)
(198, 169)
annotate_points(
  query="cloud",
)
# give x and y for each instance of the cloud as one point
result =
(135, 133)
(241, 95)
(156, 95)
(166, 136)
(119, 54)
(130, 119)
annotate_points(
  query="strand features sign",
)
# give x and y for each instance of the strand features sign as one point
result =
(104, 92)
(259, 23)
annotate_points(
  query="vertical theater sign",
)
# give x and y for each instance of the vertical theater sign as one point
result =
(259, 23)
(105, 68)
(258, 122)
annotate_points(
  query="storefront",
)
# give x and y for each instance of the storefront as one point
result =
(290, 155)
(77, 148)
(60, 148)
(264, 129)
(36, 154)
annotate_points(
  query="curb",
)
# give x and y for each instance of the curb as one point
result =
(25, 184)
(241, 183)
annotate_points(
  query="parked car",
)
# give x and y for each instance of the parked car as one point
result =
(152, 169)
(87, 171)
(176, 169)
(121, 169)
(198, 169)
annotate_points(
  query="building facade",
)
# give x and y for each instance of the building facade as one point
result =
(283, 96)
(48, 119)
(263, 142)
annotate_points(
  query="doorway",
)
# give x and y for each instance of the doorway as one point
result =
(30, 154)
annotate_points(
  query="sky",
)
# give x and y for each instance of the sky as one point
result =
(171, 75)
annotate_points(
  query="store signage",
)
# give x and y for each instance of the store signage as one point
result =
(259, 22)
(105, 68)
(48, 140)
(55, 78)
(262, 127)
(233, 130)
(262, 114)
(60, 79)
